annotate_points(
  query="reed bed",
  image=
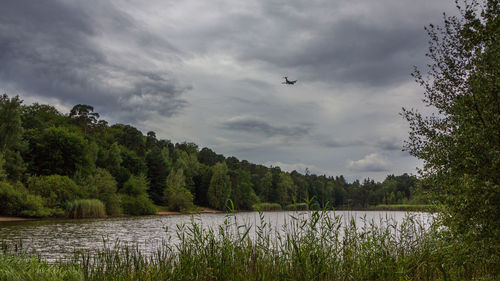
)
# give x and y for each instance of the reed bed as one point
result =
(86, 208)
(310, 246)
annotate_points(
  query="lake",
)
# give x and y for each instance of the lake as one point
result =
(58, 238)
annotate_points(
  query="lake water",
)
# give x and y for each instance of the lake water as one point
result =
(54, 239)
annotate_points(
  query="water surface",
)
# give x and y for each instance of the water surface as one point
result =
(58, 238)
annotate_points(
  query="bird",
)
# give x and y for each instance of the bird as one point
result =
(288, 82)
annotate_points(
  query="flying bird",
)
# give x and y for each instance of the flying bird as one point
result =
(288, 82)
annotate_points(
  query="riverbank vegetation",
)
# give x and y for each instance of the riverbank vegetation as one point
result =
(310, 246)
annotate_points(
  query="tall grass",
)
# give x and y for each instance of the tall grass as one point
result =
(86, 208)
(310, 246)
(266, 207)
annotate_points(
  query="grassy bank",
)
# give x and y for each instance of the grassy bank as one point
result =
(314, 246)
(404, 207)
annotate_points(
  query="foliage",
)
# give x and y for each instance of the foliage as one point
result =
(16, 201)
(134, 197)
(56, 191)
(86, 208)
(311, 246)
(242, 193)
(262, 207)
(157, 173)
(219, 190)
(102, 185)
(32, 268)
(460, 142)
(58, 151)
(10, 121)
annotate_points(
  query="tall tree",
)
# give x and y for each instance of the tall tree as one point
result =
(85, 116)
(219, 190)
(460, 144)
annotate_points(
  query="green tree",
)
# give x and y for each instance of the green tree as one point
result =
(178, 197)
(242, 193)
(56, 190)
(460, 144)
(219, 190)
(58, 151)
(11, 130)
(84, 116)
(102, 186)
(157, 174)
(134, 197)
(266, 184)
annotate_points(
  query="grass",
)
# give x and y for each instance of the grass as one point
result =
(266, 207)
(404, 207)
(86, 208)
(310, 246)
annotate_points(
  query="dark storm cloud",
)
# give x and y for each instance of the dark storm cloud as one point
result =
(311, 40)
(51, 49)
(264, 128)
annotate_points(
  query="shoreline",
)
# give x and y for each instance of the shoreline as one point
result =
(213, 211)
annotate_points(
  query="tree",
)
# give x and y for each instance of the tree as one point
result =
(460, 143)
(220, 186)
(84, 115)
(157, 174)
(242, 193)
(59, 151)
(176, 194)
(11, 130)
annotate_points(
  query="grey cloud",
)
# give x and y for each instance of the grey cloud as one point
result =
(264, 128)
(338, 143)
(389, 144)
(51, 49)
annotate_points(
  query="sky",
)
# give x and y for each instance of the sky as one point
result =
(210, 72)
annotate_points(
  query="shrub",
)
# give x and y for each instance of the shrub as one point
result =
(297, 207)
(134, 197)
(16, 201)
(267, 207)
(137, 206)
(86, 208)
(56, 190)
(179, 199)
(102, 185)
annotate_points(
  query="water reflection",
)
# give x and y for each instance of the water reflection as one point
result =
(54, 239)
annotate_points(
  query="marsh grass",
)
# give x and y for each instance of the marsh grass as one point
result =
(86, 208)
(309, 246)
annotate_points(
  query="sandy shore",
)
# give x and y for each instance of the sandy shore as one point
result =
(203, 211)
(13, 219)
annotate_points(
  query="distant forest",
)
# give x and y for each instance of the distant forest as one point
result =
(53, 163)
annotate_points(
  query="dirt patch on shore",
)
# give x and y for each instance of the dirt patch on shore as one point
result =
(202, 211)
(14, 219)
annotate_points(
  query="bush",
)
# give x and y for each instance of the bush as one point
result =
(102, 185)
(179, 199)
(86, 208)
(297, 207)
(134, 197)
(16, 201)
(56, 190)
(137, 206)
(267, 207)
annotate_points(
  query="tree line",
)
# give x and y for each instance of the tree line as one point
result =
(50, 160)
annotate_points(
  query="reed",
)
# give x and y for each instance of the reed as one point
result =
(266, 207)
(86, 208)
(310, 246)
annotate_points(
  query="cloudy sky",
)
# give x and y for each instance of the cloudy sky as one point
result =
(210, 72)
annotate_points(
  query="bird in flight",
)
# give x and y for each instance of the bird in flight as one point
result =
(288, 82)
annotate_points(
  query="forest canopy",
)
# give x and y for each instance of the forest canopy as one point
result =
(50, 162)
